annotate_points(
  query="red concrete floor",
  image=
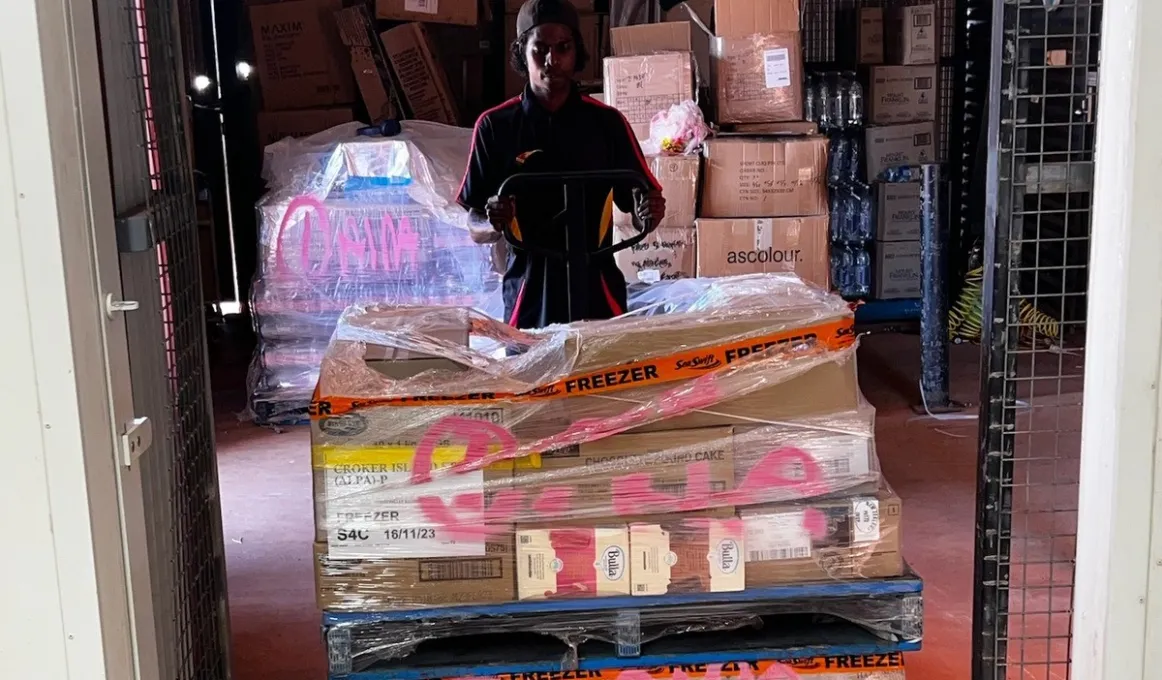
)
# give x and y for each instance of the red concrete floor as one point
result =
(266, 500)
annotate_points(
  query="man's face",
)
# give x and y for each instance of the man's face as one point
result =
(551, 55)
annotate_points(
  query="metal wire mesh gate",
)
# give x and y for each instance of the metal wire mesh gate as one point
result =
(145, 100)
(1044, 56)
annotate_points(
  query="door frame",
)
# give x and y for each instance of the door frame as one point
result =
(62, 493)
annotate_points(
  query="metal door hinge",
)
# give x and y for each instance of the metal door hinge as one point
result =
(136, 440)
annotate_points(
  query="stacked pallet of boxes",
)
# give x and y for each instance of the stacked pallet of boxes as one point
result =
(764, 196)
(594, 29)
(902, 107)
(651, 70)
(723, 446)
(301, 68)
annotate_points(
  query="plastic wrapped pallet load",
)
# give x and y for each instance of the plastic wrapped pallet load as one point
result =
(355, 220)
(460, 461)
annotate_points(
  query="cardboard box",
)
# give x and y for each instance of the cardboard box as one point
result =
(591, 33)
(368, 62)
(845, 537)
(898, 212)
(890, 146)
(276, 125)
(912, 35)
(574, 561)
(787, 128)
(670, 36)
(798, 245)
(758, 79)
(678, 176)
(589, 469)
(687, 554)
(896, 274)
(902, 94)
(301, 63)
(462, 12)
(387, 584)
(423, 84)
(784, 177)
(665, 255)
(642, 86)
(742, 18)
(870, 35)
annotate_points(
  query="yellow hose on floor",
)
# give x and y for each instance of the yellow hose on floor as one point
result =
(965, 316)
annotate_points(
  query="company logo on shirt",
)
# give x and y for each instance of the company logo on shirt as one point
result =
(521, 159)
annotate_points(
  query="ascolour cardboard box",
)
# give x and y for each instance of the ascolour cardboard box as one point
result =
(666, 254)
(300, 61)
(388, 584)
(462, 12)
(899, 145)
(898, 211)
(851, 536)
(758, 79)
(902, 94)
(276, 125)
(798, 245)
(572, 561)
(423, 83)
(912, 35)
(678, 176)
(773, 177)
(896, 274)
(687, 554)
(644, 85)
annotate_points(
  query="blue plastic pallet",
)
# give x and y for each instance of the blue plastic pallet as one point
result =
(484, 656)
(523, 637)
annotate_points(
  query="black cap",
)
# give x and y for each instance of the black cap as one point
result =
(537, 12)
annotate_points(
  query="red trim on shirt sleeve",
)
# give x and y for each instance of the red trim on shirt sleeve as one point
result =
(613, 306)
(520, 296)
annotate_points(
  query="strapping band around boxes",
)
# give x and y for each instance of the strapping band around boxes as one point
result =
(835, 335)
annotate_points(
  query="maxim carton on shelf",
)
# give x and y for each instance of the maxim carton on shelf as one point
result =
(896, 274)
(870, 35)
(300, 61)
(422, 81)
(757, 61)
(665, 255)
(765, 177)
(797, 245)
(899, 211)
(890, 146)
(902, 94)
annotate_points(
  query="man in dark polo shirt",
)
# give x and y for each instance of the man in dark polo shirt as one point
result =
(554, 128)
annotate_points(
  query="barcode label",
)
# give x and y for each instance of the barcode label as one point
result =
(919, 20)
(525, 540)
(922, 139)
(777, 67)
(642, 588)
(424, 6)
(461, 570)
(837, 467)
(797, 553)
(924, 83)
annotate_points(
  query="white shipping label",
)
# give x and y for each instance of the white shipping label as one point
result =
(372, 511)
(865, 520)
(649, 275)
(423, 6)
(777, 536)
(764, 232)
(777, 67)
(843, 457)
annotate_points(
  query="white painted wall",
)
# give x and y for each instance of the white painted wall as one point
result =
(62, 573)
(1118, 596)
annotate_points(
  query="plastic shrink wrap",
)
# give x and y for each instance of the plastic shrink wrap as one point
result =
(713, 441)
(353, 220)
